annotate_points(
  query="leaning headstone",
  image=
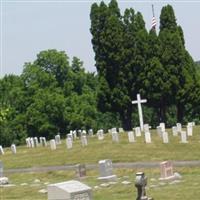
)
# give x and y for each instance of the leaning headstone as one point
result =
(13, 148)
(183, 137)
(69, 190)
(80, 170)
(165, 137)
(57, 139)
(147, 136)
(174, 131)
(131, 137)
(106, 170)
(69, 142)
(166, 170)
(1, 150)
(1, 168)
(84, 141)
(53, 144)
(137, 132)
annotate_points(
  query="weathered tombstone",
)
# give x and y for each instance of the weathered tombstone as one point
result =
(1, 150)
(28, 142)
(131, 137)
(84, 141)
(53, 144)
(13, 149)
(189, 129)
(100, 134)
(179, 127)
(159, 131)
(83, 133)
(165, 137)
(106, 170)
(166, 170)
(183, 137)
(140, 184)
(162, 125)
(32, 142)
(80, 170)
(146, 127)
(69, 190)
(115, 136)
(74, 134)
(57, 139)
(90, 132)
(1, 168)
(69, 142)
(35, 139)
(174, 131)
(147, 136)
(121, 130)
(137, 132)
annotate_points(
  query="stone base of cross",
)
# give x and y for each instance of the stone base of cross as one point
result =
(139, 101)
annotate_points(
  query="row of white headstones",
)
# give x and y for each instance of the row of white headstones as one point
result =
(32, 142)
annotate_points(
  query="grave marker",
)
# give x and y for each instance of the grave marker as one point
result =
(174, 131)
(166, 170)
(131, 137)
(84, 141)
(53, 144)
(13, 149)
(57, 139)
(69, 142)
(183, 137)
(69, 190)
(147, 136)
(105, 169)
(165, 137)
(137, 132)
(1, 150)
(138, 102)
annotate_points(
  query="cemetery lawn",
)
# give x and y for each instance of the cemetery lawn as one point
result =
(105, 149)
(27, 186)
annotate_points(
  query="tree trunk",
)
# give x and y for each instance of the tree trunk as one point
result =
(180, 111)
(126, 119)
(162, 111)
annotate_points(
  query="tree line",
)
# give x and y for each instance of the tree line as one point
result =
(55, 95)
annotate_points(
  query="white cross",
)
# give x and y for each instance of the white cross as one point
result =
(138, 102)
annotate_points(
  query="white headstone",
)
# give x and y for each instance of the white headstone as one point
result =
(138, 102)
(189, 130)
(1, 150)
(69, 142)
(165, 137)
(90, 132)
(13, 149)
(183, 137)
(57, 139)
(28, 142)
(115, 136)
(131, 137)
(74, 134)
(159, 131)
(84, 141)
(162, 125)
(35, 139)
(137, 132)
(121, 130)
(69, 190)
(100, 134)
(166, 170)
(174, 131)
(147, 136)
(146, 127)
(32, 142)
(106, 170)
(179, 127)
(53, 144)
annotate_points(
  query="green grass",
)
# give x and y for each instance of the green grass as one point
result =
(97, 150)
(124, 151)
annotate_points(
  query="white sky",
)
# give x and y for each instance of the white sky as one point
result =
(28, 27)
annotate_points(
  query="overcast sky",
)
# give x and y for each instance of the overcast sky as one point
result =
(28, 27)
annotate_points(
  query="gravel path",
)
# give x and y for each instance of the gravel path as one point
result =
(131, 165)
